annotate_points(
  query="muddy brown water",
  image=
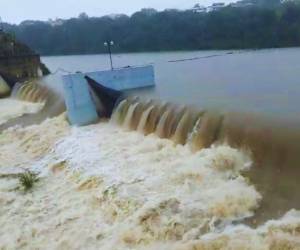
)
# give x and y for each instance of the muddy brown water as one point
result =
(275, 148)
(48, 89)
(261, 87)
(273, 144)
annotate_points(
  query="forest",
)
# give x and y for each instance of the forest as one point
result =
(265, 24)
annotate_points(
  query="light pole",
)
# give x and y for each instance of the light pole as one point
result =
(12, 45)
(108, 45)
(1, 25)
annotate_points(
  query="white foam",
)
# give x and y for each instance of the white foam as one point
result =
(11, 108)
(123, 190)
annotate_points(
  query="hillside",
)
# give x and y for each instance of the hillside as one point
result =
(9, 46)
(254, 26)
(18, 62)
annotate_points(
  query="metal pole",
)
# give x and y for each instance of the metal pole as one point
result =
(109, 51)
(12, 48)
(1, 25)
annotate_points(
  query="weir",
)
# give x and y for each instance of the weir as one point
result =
(274, 146)
(37, 91)
(274, 149)
(183, 125)
(267, 140)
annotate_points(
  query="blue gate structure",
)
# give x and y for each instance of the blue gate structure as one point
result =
(80, 106)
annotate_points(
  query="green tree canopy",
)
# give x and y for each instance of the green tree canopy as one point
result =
(264, 24)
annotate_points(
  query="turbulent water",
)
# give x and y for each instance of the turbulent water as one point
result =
(27, 99)
(157, 175)
(107, 186)
(12, 108)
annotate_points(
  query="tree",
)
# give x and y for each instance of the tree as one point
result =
(83, 15)
(255, 26)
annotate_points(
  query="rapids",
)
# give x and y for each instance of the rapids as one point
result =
(12, 108)
(27, 99)
(106, 186)
(274, 146)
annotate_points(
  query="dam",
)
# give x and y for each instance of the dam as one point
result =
(155, 175)
(169, 185)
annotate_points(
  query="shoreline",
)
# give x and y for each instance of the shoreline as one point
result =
(169, 51)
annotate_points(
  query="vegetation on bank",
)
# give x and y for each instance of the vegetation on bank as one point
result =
(17, 62)
(266, 24)
(10, 46)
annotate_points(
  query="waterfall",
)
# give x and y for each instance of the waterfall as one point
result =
(163, 126)
(180, 124)
(200, 129)
(184, 127)
(144, 120)
(30, 92)
(129, 116)
(119, 113)
(206, 131)
(153, 118)
(24, 91)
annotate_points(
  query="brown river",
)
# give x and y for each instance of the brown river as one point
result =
(208, 159)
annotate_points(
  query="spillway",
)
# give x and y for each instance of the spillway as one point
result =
(47, 91)
(274, 148)
(155, 176)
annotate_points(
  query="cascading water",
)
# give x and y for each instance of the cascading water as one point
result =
(119, 115)
(154, 117)
(30, 92)
(164, 121)
(144, 119)
(129, 118)
(199, 129)
(184, 128)
(130, 191)
(271, 149)
(48, 101)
